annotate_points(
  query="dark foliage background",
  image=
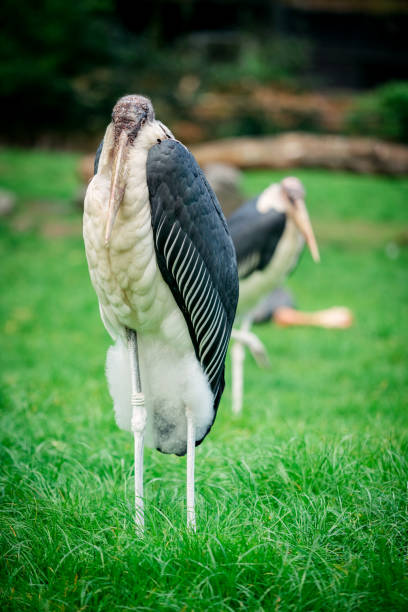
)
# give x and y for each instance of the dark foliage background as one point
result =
(63, 64)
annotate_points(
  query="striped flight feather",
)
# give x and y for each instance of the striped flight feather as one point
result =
(213, 322)
(177, 257)
(186, 268)
(188, 281)
(206, 314)
(189, 298)
(201, 302)
(222, 349)
(219, 355)
(167, 241)
(167, 255)
(212, 343)
(182, 266)
(159, 229)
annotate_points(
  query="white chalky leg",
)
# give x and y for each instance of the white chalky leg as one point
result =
(237, 359)
(138, 427)
(191, 519)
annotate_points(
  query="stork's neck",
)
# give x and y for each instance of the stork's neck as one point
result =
(271, 199)
(136, 193)
(289, 247)
(134, 207)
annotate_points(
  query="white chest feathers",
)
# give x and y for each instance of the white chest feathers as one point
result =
(125, 275)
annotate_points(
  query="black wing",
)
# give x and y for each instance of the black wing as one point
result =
(255, 236)
(195, 253)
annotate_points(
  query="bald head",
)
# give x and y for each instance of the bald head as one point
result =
(293, 188)
(129, 114)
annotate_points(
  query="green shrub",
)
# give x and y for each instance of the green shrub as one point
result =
(382, 112)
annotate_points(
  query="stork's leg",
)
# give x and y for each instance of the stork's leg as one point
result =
(251, 341)
(237, 358)
(138, 426)
(191, 519)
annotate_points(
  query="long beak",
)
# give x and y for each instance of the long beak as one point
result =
(302, 220)
(118, 182)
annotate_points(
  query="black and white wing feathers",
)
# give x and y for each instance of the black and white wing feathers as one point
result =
(195, 253)
(255, 235)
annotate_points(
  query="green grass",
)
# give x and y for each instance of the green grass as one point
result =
(302, 501)
(35, 175)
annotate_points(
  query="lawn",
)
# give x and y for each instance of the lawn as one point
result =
(302, 500)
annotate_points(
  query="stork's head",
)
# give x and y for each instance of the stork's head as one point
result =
(129, 116)
(293, 194)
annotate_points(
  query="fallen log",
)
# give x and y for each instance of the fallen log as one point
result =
(294, 149)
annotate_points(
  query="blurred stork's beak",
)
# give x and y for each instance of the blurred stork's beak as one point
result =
(118, 182)
(302, 220)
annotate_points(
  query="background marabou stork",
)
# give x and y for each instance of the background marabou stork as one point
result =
(163, 266)
(269, 233)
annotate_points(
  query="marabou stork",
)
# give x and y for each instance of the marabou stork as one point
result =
(163, 266)
(269, 233)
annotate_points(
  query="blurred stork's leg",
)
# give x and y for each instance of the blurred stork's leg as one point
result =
(191, 519)
(238, 358)
(255, 346)
(138, 426)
